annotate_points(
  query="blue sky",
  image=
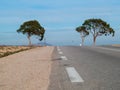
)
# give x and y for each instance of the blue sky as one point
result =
(54, 14)
(57, 14)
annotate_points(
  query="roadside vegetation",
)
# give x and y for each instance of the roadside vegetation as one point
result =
(83, 33)
(8, 50)
(30, 28)
(95, 27)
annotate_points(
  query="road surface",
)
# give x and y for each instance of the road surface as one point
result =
(85, 68)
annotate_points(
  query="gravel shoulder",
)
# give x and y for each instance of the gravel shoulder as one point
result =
(27, 70)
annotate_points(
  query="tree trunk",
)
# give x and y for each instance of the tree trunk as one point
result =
(29, 40)
(94, 41)
(82, 40)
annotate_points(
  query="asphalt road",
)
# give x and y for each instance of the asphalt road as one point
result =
(99, 67)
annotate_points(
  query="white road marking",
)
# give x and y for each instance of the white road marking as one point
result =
(64, 58)
(73, 75)
(60, 52)
(58, 49)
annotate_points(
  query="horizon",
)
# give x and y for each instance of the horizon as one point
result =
(58, 18)
(55, 38)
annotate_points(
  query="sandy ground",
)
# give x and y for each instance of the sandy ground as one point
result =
(116, 45)
(27, 70)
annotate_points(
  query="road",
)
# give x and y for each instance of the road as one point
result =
(98, 68)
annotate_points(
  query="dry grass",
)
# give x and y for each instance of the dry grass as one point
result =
(7, 50)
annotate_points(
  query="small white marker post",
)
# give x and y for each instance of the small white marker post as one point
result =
(80, 44)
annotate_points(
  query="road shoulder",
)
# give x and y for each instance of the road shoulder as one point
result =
(27, 70)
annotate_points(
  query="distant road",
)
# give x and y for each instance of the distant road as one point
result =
(85, 68)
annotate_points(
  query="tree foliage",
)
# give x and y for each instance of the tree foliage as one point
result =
(30, 28)
(98, 27)
(83, 32)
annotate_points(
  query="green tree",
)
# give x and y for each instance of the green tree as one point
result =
(83, 33)
(31, 28)
(98, 27)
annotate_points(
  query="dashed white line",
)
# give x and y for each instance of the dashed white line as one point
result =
(64, 58)
(60, 52)
(58, 49)
(73, 75)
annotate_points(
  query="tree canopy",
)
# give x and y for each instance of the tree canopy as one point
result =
(83, 32)
(98, 27)
(30, 28)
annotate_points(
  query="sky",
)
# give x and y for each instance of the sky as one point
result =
(57, 15)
